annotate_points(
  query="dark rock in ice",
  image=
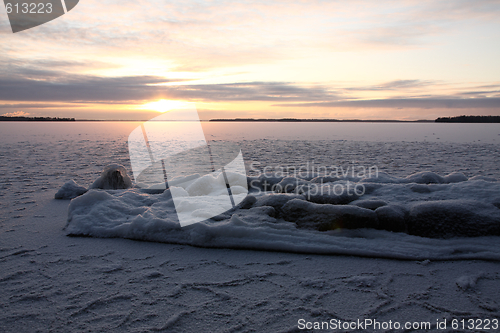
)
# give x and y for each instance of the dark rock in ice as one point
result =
(425, 177)
(70, 190)
(369, 204)
(113, 177)
(454, 218)
(392, 218)
(325, 217)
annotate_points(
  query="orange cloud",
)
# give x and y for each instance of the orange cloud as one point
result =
(16, 114)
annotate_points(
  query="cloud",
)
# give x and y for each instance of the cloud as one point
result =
(421, 103)
(254, 91)
(396, 85)
(214, 34)
(33, 106)
(59, 89)
(411, 23)
(16, 114)
(26, 85)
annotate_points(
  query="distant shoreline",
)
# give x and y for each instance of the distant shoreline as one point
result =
(459, 119)
(469, 119)
(48, 119)
(3, 118)
(291, 120)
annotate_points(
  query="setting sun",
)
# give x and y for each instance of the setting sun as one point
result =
(164, 105)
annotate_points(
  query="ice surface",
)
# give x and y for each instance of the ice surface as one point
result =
(55, 283)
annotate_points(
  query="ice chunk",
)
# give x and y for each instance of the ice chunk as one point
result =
(425, 177)
(369, 204)
(113, 177)
(324, 179)
(485, 178)
(206, 185)
(247, 202)
(454, 218)
(339, 193)
(70, 190)
(277, 201)
(392, 218)
(420, 188)
(290, 184)
(468, 282)
(264, 182)
(328, 217)
(266, 210)
(381, 177)
(288, 222)
(455, 177)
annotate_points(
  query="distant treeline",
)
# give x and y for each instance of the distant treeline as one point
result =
(316, 120)
(3, 118)
(469, 119)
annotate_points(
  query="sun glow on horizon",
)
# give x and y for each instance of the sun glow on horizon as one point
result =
(164, 105)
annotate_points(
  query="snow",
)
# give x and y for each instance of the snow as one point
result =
(70, 190)
(468, 282)
(54, 283)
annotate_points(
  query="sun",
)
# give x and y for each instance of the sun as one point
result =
(164, 105)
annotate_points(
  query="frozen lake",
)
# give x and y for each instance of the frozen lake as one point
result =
(59, 283)
(41, 157)
(381, 132)
(80, 150)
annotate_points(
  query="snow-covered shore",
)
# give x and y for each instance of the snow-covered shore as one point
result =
(51, 282)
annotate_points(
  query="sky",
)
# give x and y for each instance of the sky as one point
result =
(356, 59)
